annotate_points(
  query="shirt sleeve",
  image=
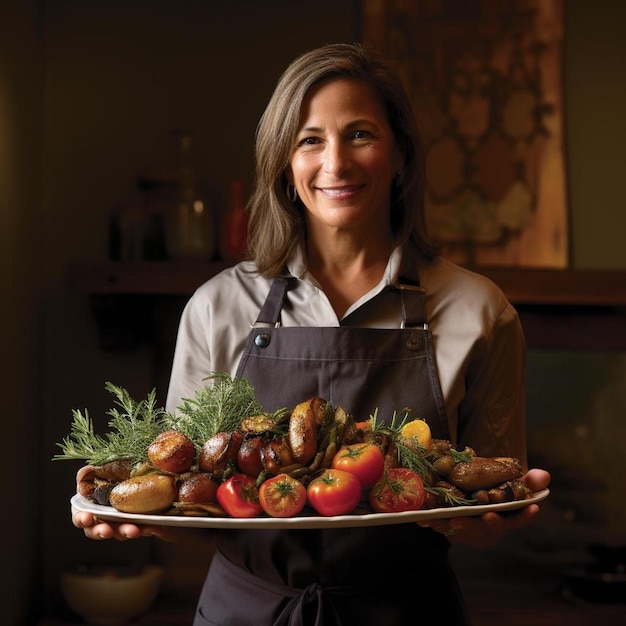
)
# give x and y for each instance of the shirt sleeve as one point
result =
(192, 359)
(492, 415)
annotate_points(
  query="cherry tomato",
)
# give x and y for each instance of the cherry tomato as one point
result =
(364, 460)
(399, 489)
(239, 496)
(282, 496)
(334, 492)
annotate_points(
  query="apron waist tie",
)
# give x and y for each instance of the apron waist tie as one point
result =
(314, 599)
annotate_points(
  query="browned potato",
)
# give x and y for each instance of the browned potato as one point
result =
(146, 494)
(218, 451)
(172, 451)
(115, 471)
(197, 488)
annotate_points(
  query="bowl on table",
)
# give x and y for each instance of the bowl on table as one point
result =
(111, 595)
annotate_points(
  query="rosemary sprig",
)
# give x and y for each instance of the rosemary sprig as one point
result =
(392, 428)
(215, 408)
(134, 427)
(448, 497)
(414, 457)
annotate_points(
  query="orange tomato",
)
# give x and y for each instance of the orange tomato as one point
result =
(364, 460)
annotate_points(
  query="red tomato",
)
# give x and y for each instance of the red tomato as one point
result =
(364, 460)
(399, 489)
(282, 496)
(334, 492)
(239, 496)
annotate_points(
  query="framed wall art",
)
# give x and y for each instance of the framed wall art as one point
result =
(485, 78)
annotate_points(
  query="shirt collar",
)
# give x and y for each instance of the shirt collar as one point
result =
(297, 267)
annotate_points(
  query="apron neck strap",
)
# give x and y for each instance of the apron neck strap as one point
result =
(412, 296)
(269, 315)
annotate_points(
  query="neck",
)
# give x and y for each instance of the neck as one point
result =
(346, 273)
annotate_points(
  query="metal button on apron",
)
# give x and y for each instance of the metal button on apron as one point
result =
(262, 341)
(414, 342)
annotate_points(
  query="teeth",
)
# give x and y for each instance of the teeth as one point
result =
(338, 192)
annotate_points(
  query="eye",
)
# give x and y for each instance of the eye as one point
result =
(308, 141)
(360, 134)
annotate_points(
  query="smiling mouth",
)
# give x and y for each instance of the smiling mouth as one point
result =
(338, 192)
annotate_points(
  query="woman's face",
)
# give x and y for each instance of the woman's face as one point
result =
(345, 158)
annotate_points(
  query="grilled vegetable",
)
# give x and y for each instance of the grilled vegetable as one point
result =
(484, 473)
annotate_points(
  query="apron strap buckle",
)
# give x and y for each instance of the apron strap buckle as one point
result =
(413, 315)
(258, 324)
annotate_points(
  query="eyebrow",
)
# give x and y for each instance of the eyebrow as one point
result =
(354, 123)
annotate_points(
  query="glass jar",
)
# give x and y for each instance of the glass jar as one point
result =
(181, 199)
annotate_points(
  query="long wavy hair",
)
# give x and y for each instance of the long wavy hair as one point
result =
(276, 224)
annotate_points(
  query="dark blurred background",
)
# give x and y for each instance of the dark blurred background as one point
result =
(90, 93)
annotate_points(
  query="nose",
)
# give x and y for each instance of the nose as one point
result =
(337, 158)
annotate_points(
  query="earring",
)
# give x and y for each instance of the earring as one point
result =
(292, 193)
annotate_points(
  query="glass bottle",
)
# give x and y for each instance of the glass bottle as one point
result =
(189, 220)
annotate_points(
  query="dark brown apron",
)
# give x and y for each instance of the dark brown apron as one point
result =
(381, 575)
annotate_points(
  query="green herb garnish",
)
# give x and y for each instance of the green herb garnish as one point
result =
(216, 408)
(134, 427)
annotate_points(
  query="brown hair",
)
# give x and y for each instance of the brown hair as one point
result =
(276, 224)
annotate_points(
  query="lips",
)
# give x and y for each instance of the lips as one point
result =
(339, 192)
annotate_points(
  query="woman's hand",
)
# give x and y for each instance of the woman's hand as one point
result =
(489, 528)
(97, 529)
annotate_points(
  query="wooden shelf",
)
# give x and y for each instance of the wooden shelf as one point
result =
(583, 309)
(561, 287)
(522, 286)
(167, 278)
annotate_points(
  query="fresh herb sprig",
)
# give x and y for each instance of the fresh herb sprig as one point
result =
(215, 408)
(414, 457)
(133, 428)
(449, 497)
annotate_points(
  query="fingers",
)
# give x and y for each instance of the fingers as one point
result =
(98, 530)
(537, 479)
(474, 531)
(481, 531)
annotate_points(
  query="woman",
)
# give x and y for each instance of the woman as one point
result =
(350, 302)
